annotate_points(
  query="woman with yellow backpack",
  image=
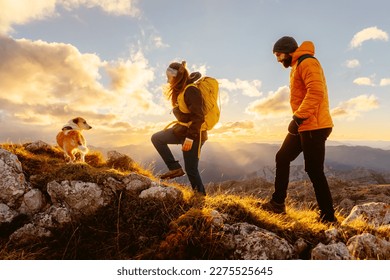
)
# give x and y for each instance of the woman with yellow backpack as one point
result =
(189, 129)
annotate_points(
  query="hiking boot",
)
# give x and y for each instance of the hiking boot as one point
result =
(172, 174)
(272, 206)
(326, 219)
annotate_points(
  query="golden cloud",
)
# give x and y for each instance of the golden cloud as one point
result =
(21, 11)
(276, 103)
(46, 84)
(354, 107)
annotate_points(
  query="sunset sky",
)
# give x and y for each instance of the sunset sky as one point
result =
(105, 61)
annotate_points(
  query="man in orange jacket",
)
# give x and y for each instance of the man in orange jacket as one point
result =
(309, 128)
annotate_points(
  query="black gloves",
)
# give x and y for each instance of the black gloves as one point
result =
(299, 121)
(294, 125)
(293, 128)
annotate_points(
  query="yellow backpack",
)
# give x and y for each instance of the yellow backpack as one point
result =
(209, 89)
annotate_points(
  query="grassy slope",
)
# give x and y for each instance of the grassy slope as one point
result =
(131, 228)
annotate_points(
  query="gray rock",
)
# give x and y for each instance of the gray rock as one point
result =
(374, 213)
(81, 198)
(368, 246)
(33, 202)
(12, 181)
(335, 251)
(250, 242)
(28, 234)
(53, 217)
(38, 145)
(158, 192)
(6, 213)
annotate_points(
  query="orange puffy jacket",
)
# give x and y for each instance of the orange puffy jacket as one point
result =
(308, 91)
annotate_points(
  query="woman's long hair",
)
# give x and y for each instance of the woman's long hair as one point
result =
(179, 82)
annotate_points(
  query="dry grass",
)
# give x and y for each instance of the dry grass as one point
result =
(131, 228)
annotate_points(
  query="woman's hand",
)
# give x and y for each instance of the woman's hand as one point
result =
(187, 145)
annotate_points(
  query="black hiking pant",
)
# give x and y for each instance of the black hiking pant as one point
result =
(312, 144)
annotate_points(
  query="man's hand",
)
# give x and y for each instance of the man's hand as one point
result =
(187, 145)
(293, 128)
(299, 121)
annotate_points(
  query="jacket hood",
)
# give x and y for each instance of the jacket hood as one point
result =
(307, 47)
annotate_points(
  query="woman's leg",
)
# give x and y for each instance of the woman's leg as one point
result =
(191, 161)
(160, 141)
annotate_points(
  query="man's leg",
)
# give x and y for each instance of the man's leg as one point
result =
(313, 144)
(290, 150)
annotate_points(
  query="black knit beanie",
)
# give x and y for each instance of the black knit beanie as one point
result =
(285, 44)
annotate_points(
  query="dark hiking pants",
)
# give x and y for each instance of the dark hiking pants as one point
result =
(312, 144)
(162, 139)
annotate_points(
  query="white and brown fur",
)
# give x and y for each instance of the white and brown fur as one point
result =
(72, 141)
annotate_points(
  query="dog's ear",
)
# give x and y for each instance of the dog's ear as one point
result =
(66, 128)
(76, 120)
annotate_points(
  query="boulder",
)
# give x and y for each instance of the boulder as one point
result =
(6, 214)
(159, 192)
(53, 217)
(136, 183)
(368, 246)
(249, 242)
(81, 198)
(38, 145)
(334, 251)
(29, 234)
(12, 181)
(33, 201)
(374, 213)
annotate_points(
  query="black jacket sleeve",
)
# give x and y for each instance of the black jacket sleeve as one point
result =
(194, 102)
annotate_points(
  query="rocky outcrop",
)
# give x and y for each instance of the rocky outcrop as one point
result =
(67, 202)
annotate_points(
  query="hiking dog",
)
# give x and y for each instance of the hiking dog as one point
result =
(72, 141)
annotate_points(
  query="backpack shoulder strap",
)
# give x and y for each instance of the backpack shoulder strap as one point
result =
(303, 57)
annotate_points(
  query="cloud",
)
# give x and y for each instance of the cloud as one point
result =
(44, 84)
(19, 12)
(234, 131)
(385, 82)
(363, 81)
(370, 33)
(158, 42)
(130, 79)
(353, 63)
(276, 103)
(116, 7)
(247, 88)
(354, 107)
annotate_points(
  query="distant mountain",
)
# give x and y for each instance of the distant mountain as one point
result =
(346, 157)
(222, 162)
